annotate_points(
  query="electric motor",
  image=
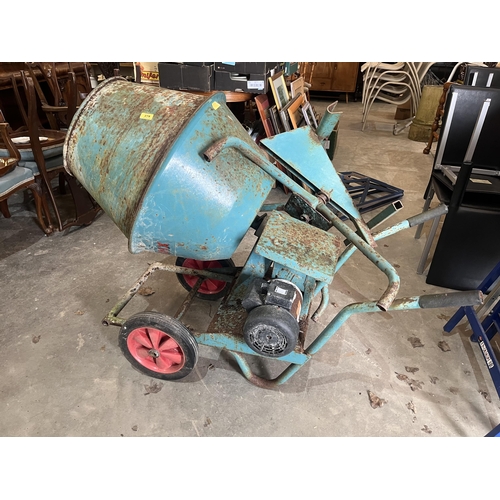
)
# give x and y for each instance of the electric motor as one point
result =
(272, 325)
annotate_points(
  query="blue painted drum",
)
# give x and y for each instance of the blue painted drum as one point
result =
(138, 150)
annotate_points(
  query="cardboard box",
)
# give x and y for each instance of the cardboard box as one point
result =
(245, 67)
(149, 72)
(235, 82)
(186, 77)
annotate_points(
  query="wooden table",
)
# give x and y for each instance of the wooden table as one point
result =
(236, 101)
(230, 96)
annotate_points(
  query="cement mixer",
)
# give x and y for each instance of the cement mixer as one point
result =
(179, 175)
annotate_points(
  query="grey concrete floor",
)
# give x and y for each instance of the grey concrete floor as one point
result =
(63, 373)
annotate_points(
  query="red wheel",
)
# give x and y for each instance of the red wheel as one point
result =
(210, 289)
(158, 345)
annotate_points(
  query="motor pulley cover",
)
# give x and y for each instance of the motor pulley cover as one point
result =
(272, 327)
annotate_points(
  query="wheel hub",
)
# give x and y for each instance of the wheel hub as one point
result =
(155, 350)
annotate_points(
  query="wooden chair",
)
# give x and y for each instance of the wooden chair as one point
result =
(306, 70)
(14, 178)
(61, 106)
(83, 83)
(49, 163)
(43, 154)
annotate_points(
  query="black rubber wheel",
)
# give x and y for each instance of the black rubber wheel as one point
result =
(209, 289)
(158, 346)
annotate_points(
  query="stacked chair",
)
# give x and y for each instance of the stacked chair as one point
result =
(395, 83)
(466, 178)
(482, 76)
(41, 144)
(476, 74)
(15, 178)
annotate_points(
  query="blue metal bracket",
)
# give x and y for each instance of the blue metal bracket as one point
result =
(485, 330)
(494, 432)
(302, 154)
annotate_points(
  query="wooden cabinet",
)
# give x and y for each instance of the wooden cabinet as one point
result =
(335, 77)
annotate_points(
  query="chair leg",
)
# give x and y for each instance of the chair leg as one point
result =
(4, 208)
(427, 204)
(86, 209)
(47, 189)
(41, 191)
(42, 208)
(62, 184)
(428, 244)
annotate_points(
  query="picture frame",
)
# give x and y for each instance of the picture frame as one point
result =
(262, 103)
(308, 113)
(279, 90)
(297, 87)
(273, 113)
(285, 112)
(296, 117)
(285, 120)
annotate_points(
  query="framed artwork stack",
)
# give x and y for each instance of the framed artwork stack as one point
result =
(291, 109)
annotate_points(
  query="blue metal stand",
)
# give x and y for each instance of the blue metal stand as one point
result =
(494, 433)
(485, 330)
(369, 193)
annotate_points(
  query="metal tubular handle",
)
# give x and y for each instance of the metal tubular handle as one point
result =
(404, 304)
(392, 289)
(248, 152)
(455, 299)
(416, 220)
(400, 226)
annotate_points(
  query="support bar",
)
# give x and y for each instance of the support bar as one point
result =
(392, 290)
(112, 317)
(465, 298)
(400, 226)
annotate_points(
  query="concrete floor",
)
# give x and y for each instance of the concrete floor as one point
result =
(63, 373)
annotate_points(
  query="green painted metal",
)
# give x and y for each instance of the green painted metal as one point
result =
(299, 246)
(236, 344)
(178, 174)
(138, 150)
(396, 228)
(302, 151)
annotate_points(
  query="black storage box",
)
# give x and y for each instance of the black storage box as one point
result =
(186, 76)
(245, 67)
(235, 82)
(198, 63)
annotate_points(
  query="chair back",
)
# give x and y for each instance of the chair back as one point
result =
(9, 163)
(461, 114)
(478, 76)
(61, 104)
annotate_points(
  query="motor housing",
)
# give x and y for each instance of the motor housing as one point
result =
(272, 326)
